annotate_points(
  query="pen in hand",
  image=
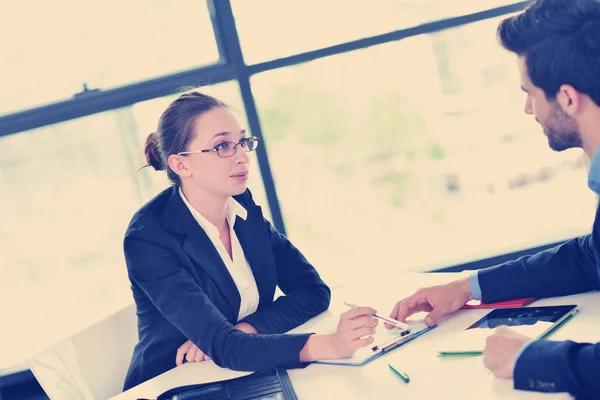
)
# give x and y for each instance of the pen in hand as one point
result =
(397, 324)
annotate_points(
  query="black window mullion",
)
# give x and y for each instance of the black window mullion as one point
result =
(227, 32)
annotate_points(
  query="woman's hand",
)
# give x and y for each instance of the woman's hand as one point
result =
(354, 331)
(191, 352)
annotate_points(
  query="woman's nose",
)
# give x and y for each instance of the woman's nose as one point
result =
(240, 155)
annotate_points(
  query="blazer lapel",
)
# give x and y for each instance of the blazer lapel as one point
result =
(201, 249)
(177, 218)
(257, 248)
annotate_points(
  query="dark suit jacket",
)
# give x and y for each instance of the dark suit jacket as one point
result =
(183, 290)
(573, 267)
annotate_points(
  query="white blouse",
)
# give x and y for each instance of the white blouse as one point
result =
(237, 265)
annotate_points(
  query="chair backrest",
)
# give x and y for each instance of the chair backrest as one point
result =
(92, 364)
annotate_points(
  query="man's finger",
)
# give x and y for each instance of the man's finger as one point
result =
(408, 306)
(421, 307)
(395, 310)
(434, 316)
(393, 314)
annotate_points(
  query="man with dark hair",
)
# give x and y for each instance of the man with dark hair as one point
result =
(557, 44)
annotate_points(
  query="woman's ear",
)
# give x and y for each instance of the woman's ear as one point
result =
(569, 99)
(179, 165)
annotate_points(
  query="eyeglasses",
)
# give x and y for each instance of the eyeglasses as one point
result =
(228, 149)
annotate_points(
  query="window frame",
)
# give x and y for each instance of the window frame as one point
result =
(230, 66)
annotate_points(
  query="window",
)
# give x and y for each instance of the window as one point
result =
(415, 155)
(66, 43)
(271, 29)
(67, 193)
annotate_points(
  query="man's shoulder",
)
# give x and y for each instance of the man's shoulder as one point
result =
(594, 173)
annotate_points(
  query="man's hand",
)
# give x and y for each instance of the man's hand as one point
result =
(193, 354)
(438, 300)
(501, 350)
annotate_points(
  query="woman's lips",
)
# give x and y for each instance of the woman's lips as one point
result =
(242, 176)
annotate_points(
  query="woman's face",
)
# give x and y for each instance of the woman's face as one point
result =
(221, 176)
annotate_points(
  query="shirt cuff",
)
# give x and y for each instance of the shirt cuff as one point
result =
(474, 286)
(519, 354)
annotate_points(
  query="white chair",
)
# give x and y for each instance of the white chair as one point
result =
(92, 364)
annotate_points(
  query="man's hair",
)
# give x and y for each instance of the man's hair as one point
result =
(560, 40)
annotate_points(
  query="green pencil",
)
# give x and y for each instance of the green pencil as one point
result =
(445, 354)
(402, 375)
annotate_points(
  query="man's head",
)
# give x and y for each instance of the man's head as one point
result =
(558, 47)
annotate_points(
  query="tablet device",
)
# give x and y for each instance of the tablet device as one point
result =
(533, 322)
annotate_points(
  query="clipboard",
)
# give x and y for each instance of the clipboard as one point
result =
(385, 341)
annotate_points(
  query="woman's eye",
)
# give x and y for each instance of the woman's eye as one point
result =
(223, 146)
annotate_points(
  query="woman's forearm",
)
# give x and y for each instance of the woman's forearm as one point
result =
(245, 327)
(318, 347)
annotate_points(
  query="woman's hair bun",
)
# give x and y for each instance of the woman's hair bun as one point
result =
(153, 156)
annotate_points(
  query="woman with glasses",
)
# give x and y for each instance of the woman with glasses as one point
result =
(204, 263)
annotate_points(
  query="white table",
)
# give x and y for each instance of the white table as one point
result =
(431, 377)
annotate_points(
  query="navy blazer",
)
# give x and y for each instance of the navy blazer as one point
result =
(570, 268)
(183, 290)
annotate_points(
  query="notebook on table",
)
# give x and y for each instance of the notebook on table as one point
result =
(271, 384)
(501, 304)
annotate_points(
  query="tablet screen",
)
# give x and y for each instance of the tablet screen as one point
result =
(533, 322)
(526, 316)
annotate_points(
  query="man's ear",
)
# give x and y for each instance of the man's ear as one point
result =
(569, 99)
(179, 165)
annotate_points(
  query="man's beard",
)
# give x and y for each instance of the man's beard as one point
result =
(562, 130)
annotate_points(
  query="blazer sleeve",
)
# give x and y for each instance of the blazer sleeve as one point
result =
(549, 366)
(306, 295)
(569, 268)
(181, 300)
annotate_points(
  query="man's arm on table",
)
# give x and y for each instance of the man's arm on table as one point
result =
(567, 366)
(566, 269)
